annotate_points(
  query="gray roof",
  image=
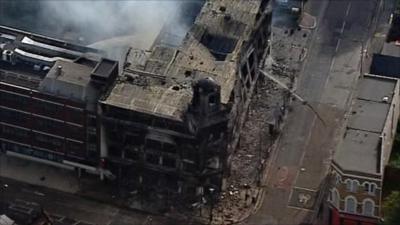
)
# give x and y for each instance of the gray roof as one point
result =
(368, 115)
(391, 49)
(359, 150)
(74, 83)
(70, 82)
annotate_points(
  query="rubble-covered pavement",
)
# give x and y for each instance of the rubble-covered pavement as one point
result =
(245, 187)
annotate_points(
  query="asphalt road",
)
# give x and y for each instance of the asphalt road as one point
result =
(303, 155)
(72, 208)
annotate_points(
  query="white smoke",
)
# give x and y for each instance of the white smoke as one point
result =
(101, 19)
(113, 25)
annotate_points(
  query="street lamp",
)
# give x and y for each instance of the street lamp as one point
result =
(2, 193)
(211, 190)
(294, 94)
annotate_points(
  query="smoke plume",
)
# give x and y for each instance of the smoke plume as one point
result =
(100, 19)
(111, 25)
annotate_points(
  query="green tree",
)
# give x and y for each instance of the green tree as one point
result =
(391, 209)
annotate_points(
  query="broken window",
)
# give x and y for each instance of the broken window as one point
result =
(189, 167)
(152, 159)
(218, 45)
(253, 74)
(169, 148)
(248, 84)
(133, 154)
(190, 154)
(244, 71)
(251, 59)
(191, 190)
(172, 183)
(169, 162)
(153, 144)
(212, 100)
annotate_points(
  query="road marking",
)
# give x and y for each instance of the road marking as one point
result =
(306, 189)
(343, 26)
(330, 68)
(282, 174)
(294, 207)
(32, 192)
(337, 45)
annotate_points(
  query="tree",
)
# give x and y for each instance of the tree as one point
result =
(391, 209)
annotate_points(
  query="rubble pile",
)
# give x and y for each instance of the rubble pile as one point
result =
(244, 186)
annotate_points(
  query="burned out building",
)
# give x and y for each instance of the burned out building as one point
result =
(165, 123)
(172, 121)
(49, 91)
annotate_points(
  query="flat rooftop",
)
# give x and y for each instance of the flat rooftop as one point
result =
(26, 58)
(391, 49)
(359, 150)
(159, 81)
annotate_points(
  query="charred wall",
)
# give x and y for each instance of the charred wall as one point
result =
(154, 156)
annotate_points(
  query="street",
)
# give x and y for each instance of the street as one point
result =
(302, 158)
(70, 209)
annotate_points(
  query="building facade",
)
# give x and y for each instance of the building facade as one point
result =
(173, 118)
(359, 162)
(165, 127)
(48, 99)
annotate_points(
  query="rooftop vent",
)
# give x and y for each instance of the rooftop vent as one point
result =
(59, 71)
(385, 99)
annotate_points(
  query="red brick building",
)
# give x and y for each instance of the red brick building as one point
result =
(359, 162)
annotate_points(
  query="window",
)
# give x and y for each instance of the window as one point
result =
(212, 100)
(169, 148)
(352, 185)
(48, 142)
(253, 73)
(251, 59)
(48, 125)
(14, 132)
(248, 84)
(92, 121)
(348, 185)
(335, 198)
(368, 207)
(350, 204)
(244, 71)
(153, 144)
(337, 178)
(169, 162)
(189, 167)
(370, 188)
(14, 117)
(355, 186)
(152, 159)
